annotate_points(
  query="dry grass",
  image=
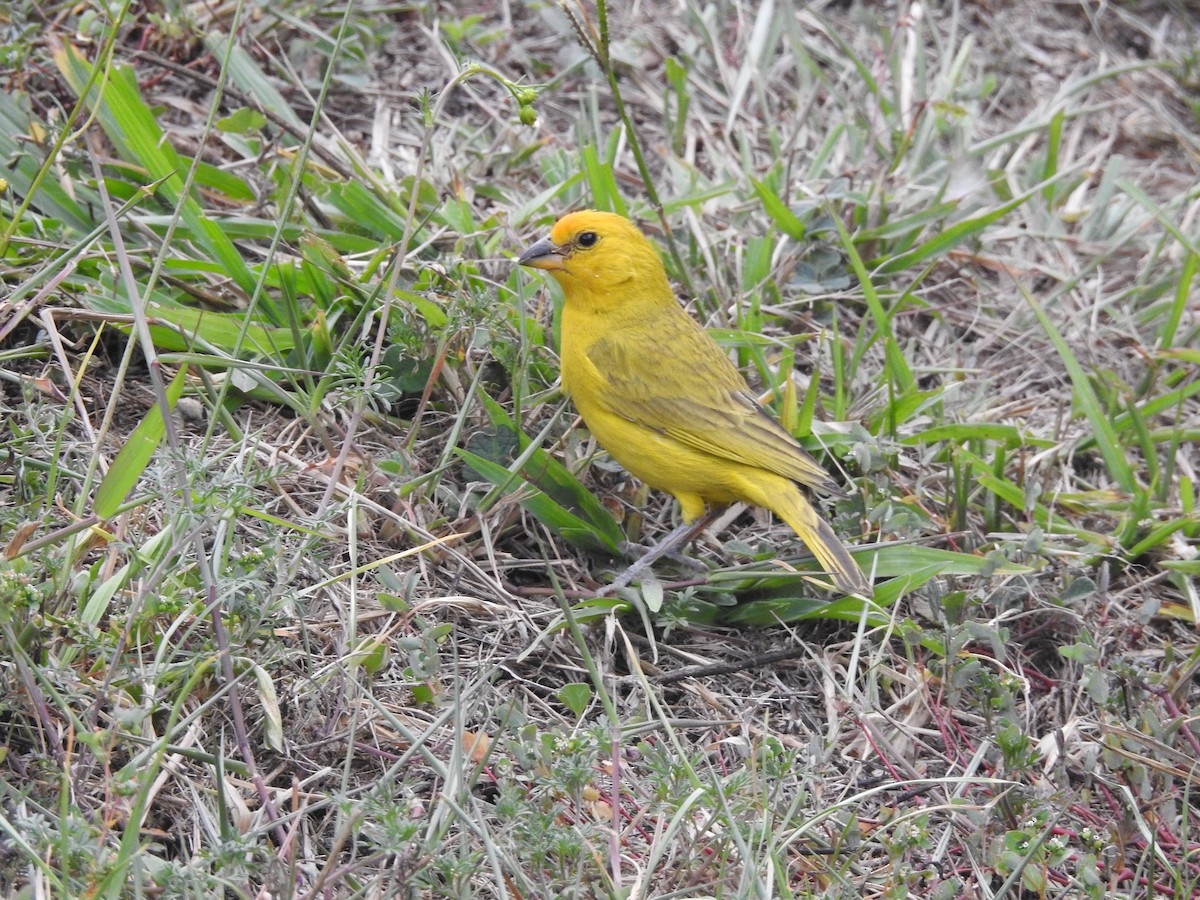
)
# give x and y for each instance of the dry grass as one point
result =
(304, 649)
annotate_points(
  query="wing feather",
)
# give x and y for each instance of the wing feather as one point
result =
(713, 413)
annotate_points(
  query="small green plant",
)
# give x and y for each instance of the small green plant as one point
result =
(300, 539)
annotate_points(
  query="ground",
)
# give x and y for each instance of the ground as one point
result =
(337, 625)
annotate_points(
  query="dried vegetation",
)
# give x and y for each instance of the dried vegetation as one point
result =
(332, 629)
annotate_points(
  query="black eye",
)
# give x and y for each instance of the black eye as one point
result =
(587, 239)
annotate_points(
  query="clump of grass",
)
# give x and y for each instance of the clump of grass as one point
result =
(302, 548)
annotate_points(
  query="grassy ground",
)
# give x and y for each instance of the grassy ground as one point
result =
(331, 628)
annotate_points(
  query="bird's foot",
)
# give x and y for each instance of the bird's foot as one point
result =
(678, 535)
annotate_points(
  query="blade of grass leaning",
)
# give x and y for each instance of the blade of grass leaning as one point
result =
(1053, 145)
(1158, 535)
(599, 175)
(1188, 270)
(779, 211)
(902, 407)
(246, 74)
(192, 326)
(902, 233)
(677, 75)
(1183, 294)
(561, 502)
(559, 520)
(1163, 402)
(24, 173)
(133, 458)
(953, 235)
(132, 128)
(1162, 218)
(232, 188)
(553, 477)
(896, 560)
(248, 228)
(1016, 497)
(99, 599)
(538, 204)
(788, 597)
(841, 379)
(365, 211)
(960, 432)
(1119, 468)
(794, 603)
(898, 373)
(1145, 442)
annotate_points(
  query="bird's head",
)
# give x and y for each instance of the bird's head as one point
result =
(597, 253)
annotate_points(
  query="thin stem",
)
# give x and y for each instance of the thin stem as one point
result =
(601, 54)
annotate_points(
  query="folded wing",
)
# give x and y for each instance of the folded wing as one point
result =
(713, 413)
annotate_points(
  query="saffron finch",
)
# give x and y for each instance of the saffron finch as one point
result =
(659, 394)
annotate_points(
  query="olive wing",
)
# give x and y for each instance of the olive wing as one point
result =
(672, 377)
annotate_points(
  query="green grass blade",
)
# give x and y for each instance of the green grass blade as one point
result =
(778, 210)
(131, 126)
(133, 458)
(545, 509)
(1107, 443)
(21, 169)
(953, 235)
(898, 372)
(1183, 296)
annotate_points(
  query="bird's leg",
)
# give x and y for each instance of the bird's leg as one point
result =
(677, 536)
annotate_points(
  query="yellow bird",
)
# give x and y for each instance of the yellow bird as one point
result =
(661, 396)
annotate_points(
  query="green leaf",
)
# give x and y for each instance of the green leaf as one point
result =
(248, 228)
(131, 126)
(1102, 428)
(1053, 147)
(210, 330)
(1015, 496)
(652, 592)
(127, 468)
(21, 167)
(601, 181)
(955, 234)
(552, 477)
(960, 432)
(242, 121)
(245, 73)
(234, 188)
(905, 228)
(768, 597)
(898, 371)
(1183, 294)
(366, 212)
(406, 373)
(575, 696)
(565, 524)
(435, 317)
(779, 212)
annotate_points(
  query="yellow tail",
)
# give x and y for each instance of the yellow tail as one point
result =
(793, 508)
